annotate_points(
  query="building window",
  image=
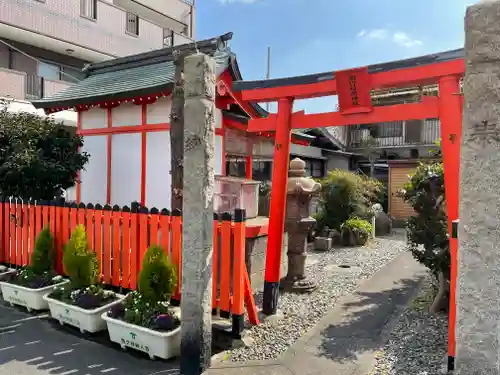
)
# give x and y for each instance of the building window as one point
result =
(317, 169)
(132, 26)
(387, 130)
(262, 170)
(88, 9)
(168, 38)
(49, 71)
(72, 75)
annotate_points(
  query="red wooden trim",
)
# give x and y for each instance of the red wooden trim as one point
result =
(226, 79)
(109, 156)
(428, 108)
(256, 231)
(78, 176)
(420, 75)
(230, 123)
(144, 116)
(223, 151)
(127, 129)
(238, 305)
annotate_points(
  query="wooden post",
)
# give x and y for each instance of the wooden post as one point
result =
(197, 234)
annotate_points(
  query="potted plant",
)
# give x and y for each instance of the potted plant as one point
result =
(82, 301)
(27, 286)
(144, 320)
(5, 272)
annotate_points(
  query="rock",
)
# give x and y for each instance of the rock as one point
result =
(383, 223)
(334, 234)
(347, 237)
(323, 243)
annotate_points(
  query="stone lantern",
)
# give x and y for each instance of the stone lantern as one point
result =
(298, 222)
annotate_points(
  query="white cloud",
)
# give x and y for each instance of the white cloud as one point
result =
(405, 40)
(224, 2)
(398, 37)
(380, 34)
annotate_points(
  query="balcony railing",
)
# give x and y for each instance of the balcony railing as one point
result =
(22, 86)
(95, 25)
(395, 134)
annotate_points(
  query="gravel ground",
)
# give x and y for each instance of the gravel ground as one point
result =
(418, 343)
(302, 311)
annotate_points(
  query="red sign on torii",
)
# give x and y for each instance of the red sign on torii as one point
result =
(354, 87)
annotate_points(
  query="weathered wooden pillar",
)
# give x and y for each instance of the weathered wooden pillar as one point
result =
(478, 302)
(197, 243)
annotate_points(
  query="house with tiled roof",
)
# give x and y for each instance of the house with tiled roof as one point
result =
(123, 108)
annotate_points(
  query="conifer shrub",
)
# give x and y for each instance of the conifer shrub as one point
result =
(41, 272)
(157, 278)
(82, 267)
(80, 262)
(149, 305)
(44, 253)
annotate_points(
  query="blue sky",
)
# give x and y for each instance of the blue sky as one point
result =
(312, 36)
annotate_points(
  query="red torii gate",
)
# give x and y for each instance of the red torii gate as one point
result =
(353, 89)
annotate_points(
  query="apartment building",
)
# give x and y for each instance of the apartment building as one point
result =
(44, 44)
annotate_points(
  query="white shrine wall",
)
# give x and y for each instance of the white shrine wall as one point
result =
(129, 147)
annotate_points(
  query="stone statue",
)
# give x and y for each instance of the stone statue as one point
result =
(298, 222)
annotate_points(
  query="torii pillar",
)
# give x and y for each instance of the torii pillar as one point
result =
(278, 206)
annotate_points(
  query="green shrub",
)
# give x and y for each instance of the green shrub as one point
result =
(157, 279)
(80, 262)
(355, 231)
(345, 194)
(427, 229)
(359, 224)
(44, 253)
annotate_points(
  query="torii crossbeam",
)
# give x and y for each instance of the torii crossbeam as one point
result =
(353, 88)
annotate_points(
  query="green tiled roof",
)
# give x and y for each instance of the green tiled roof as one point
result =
(131, 76)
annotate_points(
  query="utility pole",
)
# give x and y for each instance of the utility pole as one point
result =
(268, 73)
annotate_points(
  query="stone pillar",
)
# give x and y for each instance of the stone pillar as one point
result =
(197, 241)
(300, 190)
(478, 302)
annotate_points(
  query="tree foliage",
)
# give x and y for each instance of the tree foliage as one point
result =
(39, 158)
(344, 195)
(428, 229)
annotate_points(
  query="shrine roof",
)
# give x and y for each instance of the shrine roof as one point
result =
(242, 85)
(138, 75)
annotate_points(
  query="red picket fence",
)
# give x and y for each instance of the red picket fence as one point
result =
(120, 238)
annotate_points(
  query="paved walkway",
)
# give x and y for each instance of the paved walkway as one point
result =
(345, 340)
(35, 346)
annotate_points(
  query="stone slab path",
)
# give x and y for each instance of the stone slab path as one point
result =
(345, 341)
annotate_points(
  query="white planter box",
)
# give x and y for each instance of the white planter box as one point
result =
(85, 320)
(32, 299)
(6, 272)
(157, 344)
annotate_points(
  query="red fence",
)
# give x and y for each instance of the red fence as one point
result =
(120, 238)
